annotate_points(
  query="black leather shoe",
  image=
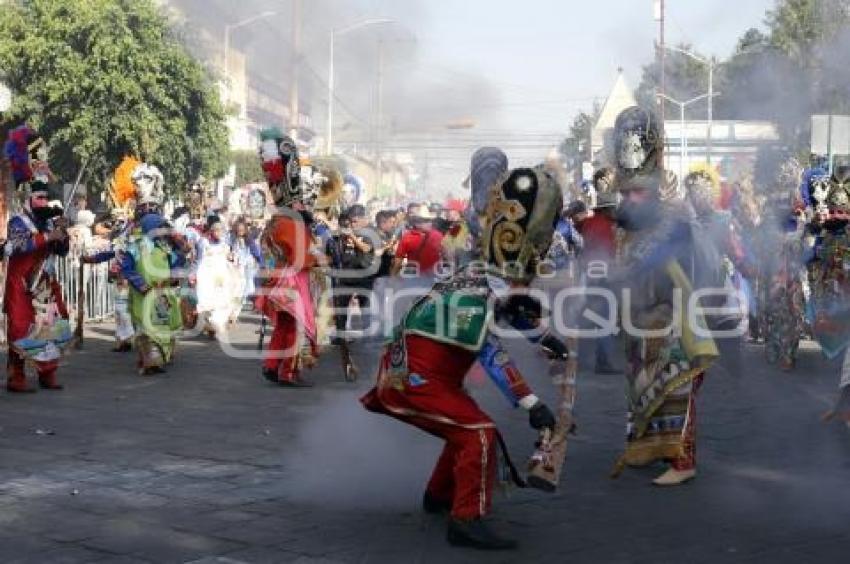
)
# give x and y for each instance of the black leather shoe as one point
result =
(270, 375)
(477, 534)
(44, 385)
(435, 505)
(297, 383)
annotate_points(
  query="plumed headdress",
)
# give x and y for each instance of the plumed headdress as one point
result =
(521, 213)
(122, 190)
(26, 151)
(703, 183)
(279, 156)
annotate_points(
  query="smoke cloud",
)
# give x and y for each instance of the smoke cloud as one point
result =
(348, 458)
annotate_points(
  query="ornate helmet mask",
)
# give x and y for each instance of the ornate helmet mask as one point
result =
(637, 141)
(279, 156)
(521, 213)
(703, 187)
(149, 182)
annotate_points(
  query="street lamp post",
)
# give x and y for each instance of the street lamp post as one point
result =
(227, 31)
(710, 64)
(334, 34)
(683, 139)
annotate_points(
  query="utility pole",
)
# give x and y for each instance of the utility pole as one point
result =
(296, 59)
(710, 109)
(379, 157)
(659, 14)
(329, 143)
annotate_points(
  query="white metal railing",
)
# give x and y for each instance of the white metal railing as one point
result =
(99, 292)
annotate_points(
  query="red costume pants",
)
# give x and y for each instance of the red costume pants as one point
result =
(21, 317)
(466, 469)
(688, 461)
(432, 398)
(283, 351)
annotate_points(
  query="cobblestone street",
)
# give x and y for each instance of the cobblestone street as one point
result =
(210, 463)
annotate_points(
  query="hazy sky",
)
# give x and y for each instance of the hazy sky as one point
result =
(550, 57)
(519, 69)
(547, 59)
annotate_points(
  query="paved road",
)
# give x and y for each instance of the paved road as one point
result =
(212, 464)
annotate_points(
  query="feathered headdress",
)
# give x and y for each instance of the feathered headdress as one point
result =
(21, 145)
(123, 190)
(704, 180)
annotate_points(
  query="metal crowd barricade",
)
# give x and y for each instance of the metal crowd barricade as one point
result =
(99, 293)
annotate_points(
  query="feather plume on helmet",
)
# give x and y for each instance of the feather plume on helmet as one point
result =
(27, 153)
(122, 191)
(702, 185)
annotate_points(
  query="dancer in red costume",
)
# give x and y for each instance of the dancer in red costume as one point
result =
(38, 328)
(284, 297)
(421, 375)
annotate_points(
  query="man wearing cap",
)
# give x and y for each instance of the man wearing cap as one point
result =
(419, 247)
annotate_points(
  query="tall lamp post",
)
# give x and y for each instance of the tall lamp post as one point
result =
(228, 29)
(334, 33)
(683, 138)
(710, 95)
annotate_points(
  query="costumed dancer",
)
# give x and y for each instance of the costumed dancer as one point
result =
(220, 284)
(327, 182)
(748, 222)
(783, 274)
(457, 244)
(487, 165)
(285, 294)
(663, 255)
(37, 319)
(703, 191)
(422, 370)
(122, 193)
(148, 255)
(830, 315)
(181, 221)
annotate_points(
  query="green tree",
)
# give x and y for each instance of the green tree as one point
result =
(576, 147)
(104, 78)
(799, 27)
(248, 168)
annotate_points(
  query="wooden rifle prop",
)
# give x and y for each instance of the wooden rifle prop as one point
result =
(80, 274)
(262, 332)
(545, 464)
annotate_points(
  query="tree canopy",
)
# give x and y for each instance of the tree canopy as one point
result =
(101, 79)
(576, 147)
(793, 68)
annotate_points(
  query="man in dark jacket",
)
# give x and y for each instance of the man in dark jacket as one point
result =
(352, 254)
